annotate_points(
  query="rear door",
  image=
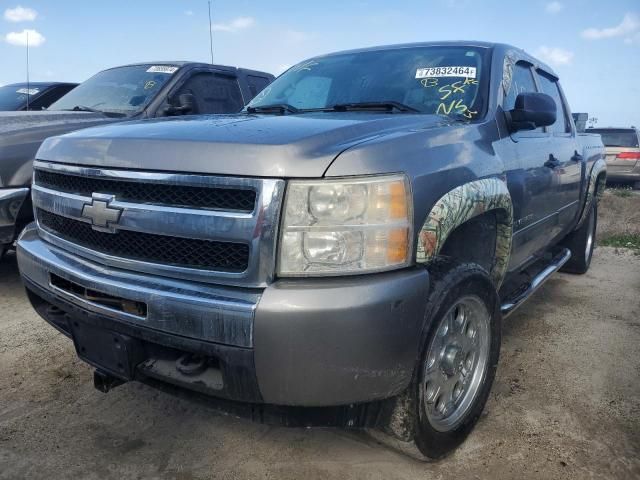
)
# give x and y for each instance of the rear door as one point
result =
(565, 160)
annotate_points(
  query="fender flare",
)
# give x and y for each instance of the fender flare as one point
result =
(594, 189)
(462, 204)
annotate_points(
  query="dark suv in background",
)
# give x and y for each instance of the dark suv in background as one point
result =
(33, 95)
(129, 92)
(623, 154)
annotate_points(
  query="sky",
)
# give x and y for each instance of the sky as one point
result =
(594, 46)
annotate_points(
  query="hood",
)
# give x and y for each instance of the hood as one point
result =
(20, 121)
(246, 145)
(21, 134)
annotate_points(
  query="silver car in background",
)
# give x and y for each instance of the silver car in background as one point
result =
(623, 154)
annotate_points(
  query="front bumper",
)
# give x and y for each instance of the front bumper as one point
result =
(11, 208)
(306, 342)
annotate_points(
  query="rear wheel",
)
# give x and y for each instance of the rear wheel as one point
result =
(581, 242)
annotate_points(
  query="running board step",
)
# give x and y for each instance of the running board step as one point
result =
(556, 264)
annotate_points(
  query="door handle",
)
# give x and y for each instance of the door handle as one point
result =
(553, 162)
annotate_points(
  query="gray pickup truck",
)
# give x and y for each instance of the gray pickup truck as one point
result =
(130, 92)
(348, 243)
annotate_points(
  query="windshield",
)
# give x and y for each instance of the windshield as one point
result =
(13, 97)
(122, 90)
(437, 80)
(617, 138)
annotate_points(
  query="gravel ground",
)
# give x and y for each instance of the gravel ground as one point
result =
(565, 404)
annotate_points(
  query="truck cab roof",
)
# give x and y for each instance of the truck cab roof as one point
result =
(499, 48)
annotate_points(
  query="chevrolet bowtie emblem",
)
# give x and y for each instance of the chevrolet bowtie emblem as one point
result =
(104, 218)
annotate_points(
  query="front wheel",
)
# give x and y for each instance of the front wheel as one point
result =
(457, 365)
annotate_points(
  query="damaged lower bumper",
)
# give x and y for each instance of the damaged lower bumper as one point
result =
(308, 342)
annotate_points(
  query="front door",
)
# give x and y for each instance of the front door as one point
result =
(529, 178)
(565, 160)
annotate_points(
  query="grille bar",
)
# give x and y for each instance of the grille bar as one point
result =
(163, 249)
(187, 196)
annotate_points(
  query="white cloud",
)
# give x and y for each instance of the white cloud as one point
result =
(630, 24)
(240, 23)
(20, 14)
(188, 13)
(20, 38)
(553, 7)
(554, 55)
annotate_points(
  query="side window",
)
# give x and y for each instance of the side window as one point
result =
(214, 93)
(42, 102)
(521, 81)
(549, 85)
(62, 90)
(256, 84)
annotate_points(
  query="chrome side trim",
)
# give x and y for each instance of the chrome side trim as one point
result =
(258, 229)
(216, 314)
(556, 264)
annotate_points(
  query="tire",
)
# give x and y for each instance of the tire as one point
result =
(428, 433)
(636, 186)
(581, 243)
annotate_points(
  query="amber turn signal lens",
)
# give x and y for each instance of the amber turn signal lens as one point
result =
(398, 200)
(398, 245)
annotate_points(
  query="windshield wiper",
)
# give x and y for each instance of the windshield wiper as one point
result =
(280, 108)
(387, 105)
(82, 108)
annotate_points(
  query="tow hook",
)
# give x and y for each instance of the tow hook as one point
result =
(189, 364)
(105, 382)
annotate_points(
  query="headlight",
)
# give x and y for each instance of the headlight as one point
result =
(346, 226)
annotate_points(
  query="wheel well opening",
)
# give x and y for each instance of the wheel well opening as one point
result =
(474, 241)
(600, 184)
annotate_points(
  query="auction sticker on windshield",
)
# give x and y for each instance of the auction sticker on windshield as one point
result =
(28, 91)
(162, 69)
(437, 72)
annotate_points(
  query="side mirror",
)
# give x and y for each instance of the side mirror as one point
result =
(532, 110)
(186, 104)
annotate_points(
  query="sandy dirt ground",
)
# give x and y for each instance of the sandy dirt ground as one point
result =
(565, 404)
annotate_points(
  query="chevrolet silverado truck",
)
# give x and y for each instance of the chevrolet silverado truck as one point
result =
(146, 90)
(349, 242)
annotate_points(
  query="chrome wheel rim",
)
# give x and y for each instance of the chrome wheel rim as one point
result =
(587, 253)
(456, 362)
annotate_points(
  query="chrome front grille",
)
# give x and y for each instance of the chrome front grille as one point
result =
(188, 252)
(216, 198)
(195, 227)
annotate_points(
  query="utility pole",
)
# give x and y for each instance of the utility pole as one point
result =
(28, 88)
(210, 32)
